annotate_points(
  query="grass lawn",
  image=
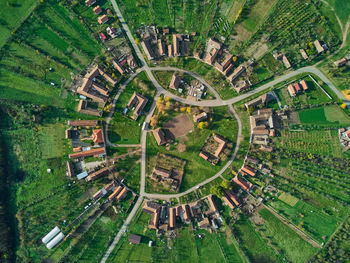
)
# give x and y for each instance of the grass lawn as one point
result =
(197, 169)
(123, 130)
(250, 241)
(288, 199)
(12, 15)
(294, 248)
(329, 115)
(308, 218)
(52, 143)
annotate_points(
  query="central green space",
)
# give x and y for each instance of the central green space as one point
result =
(329, 115)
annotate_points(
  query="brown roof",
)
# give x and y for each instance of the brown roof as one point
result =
(117, 66)
(97, 174)
(83, 108)
(139, 102)
(186, 212)
(248, 170)
(222, 143)
(122, 194)
(243, 183)
(97, 136)
(77, 149)
(176, 45)
(91, 123)
(97, 194)
(92, 152)
(200, 117)
(296, 87)
(304, 84)
(303, 54)
(175, 82)
(115, 193)
(238, 71)
(228, 202)
(204, 223)
(161, 47)
(227, 61)
(135, 239)
(228, 69)
(232, 198)
(318, 46)
(172, 217)
(102, 19)
(97, 9)
(153, 222)
(170, 51)
(258, 131)
(340, 62)
(159, 136)
(109, 186)
(213, 208)
(70, 168)
(149, 207)
(147, 48)
(90, 2)
(162, 172)
(291, 90)
(286, 62)
(241, 86)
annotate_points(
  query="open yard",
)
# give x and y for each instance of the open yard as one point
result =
(179, 126)
(197, 169)
(52, 142)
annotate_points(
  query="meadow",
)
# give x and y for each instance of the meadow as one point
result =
(294, 248)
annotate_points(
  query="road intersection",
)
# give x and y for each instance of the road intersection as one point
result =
(208, 103)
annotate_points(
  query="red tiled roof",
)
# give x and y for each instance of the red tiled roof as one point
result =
(87, 153)
(97, 136)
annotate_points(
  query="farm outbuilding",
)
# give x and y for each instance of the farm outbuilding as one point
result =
(55, 241)
(50, 235)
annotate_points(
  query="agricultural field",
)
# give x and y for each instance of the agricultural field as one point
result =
(196, 167)
(324, 142)
(294, 248)
(124, 130)
(327, 116)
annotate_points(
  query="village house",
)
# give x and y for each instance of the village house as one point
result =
(303, 54)
(340, 62)
(246, 170)
(98, 152)
(137, 102)
(84, 123)
(134, 239)
(70, 169)
(172, 214)
(131, 61)
(97, 136)
(97, 10)
(261, 100)
(252, 160)
(147, 48)
(122, 194)
(244, 184)
(159, 136)
(170, 51)
(294, 89)
(213, 48)
(204, 223)
(236, 73)
(161, 47)
(243, 85)
(112, 32)
(83, 107)
(89, 3)
(175, 82)
(118, 67)
(318, 46)
(200, 117)
(97, 174)
(102, 19)
(286, 62)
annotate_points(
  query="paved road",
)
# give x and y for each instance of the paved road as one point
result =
(122, 229)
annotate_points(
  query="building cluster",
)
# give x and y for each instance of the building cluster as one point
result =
(97, 10)
(157, 44)
(224, 64)
(212, 149)
(168, 178)
(94, 88)
(136, 104)
(164, 218)
(296, 88)
(319, 47)
(77, 134)
(262, 126)
(344, 136)
(196, 90)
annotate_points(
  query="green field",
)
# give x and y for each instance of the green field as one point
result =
(308, 218)
(294, 247)
(123, 130)
(288, 199)
(324, 142)
(254, 246)
(330, 115)
(197, 169)
(52, 143)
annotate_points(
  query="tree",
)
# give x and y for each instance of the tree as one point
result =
(217, 190)
(183, 109)
(343, 106)
(203, 125)
(137, 41)
(166, 99)
(225, 184)
(188, 109)
(250, 110)
(154, 121)
(168, 105)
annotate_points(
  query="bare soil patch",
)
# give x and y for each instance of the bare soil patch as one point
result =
(179, 126)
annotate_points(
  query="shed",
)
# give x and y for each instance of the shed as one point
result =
(134, 239)
(82, 175)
